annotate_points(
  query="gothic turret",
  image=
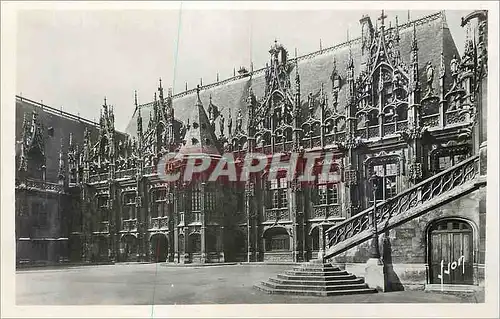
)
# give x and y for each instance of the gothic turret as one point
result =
(200, 136)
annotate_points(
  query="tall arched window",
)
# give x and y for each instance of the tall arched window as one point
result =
(160, 208)
(277, 193)
(446, 157)
(326, 191)
(128, 208)
(387, 170)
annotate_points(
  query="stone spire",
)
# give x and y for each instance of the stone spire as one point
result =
(200, 136)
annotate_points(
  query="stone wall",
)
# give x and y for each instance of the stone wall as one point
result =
(278, 256)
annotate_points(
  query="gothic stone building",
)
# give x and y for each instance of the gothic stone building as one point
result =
(402, 113)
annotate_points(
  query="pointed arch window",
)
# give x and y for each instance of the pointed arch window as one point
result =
(196, 197)
(387, 170)
(129, 209)
(446, 157)
(326, 191)
(278, 193)
(160, 208)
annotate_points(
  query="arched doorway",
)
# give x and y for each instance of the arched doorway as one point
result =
(277, 239)
(159, 247)
(315, 239)
(450, 252)
(129, 247)
(100, 250)
(194, 243)
(75, 249)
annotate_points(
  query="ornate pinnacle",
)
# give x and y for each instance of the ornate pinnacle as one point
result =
(414, 46)
(382, 18)
(198, 102)
(135, 99)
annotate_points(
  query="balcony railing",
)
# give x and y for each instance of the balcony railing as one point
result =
(274, 214)
(129, 225)
(158, 223)
(325, 211)
(411, 198)
(126, 173)
(32, 184)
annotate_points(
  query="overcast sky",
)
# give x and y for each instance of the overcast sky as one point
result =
(75, 58)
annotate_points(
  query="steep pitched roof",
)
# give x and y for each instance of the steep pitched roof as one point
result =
(200, 137)
(433, 37)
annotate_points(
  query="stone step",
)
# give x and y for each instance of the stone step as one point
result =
(313, 288)
(316, 277)
(317, 268)
(312, 292)
(322, 283)
(296, 272)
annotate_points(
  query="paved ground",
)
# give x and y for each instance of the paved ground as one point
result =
(145, 284)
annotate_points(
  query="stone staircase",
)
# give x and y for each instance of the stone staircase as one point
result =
(315, 278)
(427, 195)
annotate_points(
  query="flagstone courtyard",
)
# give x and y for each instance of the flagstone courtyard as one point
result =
(145, 284)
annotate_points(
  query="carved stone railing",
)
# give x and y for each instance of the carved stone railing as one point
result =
(325, 211)
(373, 131)
(103, 227)
(401, 126)
(158, 223)
(389, 128)
(430, 120)
(386, 211)
(456, 117)
(98, 178)
(148, 170)
(276, 214)
(31, 184)
(126, 173)
(129, 225)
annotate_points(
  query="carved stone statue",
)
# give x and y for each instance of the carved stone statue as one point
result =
(239, 121)
(430, 75)
(310, 103)
(229, 123)
(221, 125)
(454, 65)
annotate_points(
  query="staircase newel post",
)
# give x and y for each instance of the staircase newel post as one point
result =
(374, 248)
(321, 252)
(375, 276)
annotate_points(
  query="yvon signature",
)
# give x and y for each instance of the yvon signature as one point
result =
(451, 267)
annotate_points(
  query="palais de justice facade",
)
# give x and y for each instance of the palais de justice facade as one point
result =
(397, 106)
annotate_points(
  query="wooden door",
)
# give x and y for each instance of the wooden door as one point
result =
(451, 252)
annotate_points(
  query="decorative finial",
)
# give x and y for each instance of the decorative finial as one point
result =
(217, 77)
(201, 81)
(198, 102)
(160, 84)
(186, 86)
(320, 45)
(105, 101)
(234, 71)
(135, 98)
(408, 15)
(382, 18)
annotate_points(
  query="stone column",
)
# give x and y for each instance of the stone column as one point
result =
(321, 251)
(203, 225)
(222, 244)
(249, 212)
